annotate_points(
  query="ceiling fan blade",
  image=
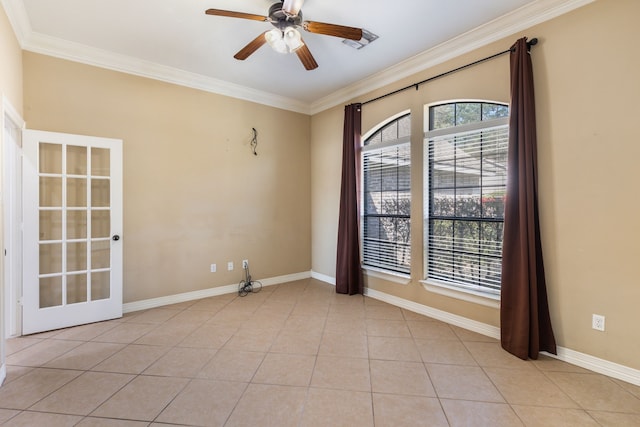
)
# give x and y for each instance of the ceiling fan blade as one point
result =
(292, 7)
(306, 57)
(231, 14)
(333, 30)
(253, 45)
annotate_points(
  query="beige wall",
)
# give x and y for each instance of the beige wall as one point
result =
(10, 64)
(587, 94)
(194, 193)
(11, 90)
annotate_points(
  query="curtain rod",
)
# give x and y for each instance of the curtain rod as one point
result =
(530, 43)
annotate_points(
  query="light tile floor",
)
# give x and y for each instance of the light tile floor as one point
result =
(295, 354)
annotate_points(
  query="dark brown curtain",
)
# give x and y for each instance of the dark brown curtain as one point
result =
(524, 314)
(348, 269)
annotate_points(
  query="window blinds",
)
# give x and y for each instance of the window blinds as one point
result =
(387, 207)
(465, 203)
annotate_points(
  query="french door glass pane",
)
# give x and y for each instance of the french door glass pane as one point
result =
(100, 196)
(100, 254)
(50, 258)
(76, 192)
(50, 158)
(50, 225)
(76, 288)
(76, 160)
(76, 224)
(100, 285)
(100, 224)
(50, 192)
(50, 291)
(100, 158)
(76, 256)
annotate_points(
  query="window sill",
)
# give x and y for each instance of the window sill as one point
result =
(379, 273)
(476, 297)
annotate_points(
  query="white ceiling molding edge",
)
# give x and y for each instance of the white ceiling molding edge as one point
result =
(18, 18)
(518, 20)
(507, 25)
(52, 46)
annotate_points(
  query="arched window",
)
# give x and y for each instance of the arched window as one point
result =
(386, 164)
(465, 175)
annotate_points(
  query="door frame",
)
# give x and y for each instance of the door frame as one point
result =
(11, 221)
(10, 309)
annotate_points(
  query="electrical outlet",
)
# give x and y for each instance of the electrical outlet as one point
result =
(230, 265)
(597, 322)
(213, 268)
(245, 264)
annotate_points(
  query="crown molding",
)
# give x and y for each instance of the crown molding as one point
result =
(520, 19)
(40, 43)
(18, 18)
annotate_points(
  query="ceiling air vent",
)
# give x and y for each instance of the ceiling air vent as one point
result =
(367, 38)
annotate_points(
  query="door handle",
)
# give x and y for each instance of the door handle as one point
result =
(116, 237)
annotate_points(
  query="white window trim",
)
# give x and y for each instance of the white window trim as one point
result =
(390, 276)
(469, 295)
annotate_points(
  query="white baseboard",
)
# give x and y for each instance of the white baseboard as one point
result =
(452, 319)
(283, 279)
(323, 277)
(206, 293)
(598, 365)
(3, 373)
(601, 366)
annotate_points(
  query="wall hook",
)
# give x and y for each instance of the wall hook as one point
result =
(254, 141)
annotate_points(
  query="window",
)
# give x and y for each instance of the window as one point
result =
(386, 171)
(465, 174)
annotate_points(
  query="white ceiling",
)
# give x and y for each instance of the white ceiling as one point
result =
(173, 40)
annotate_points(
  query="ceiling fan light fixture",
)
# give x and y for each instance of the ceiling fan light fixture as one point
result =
(293, 39)
(275, 38)
(286, 41)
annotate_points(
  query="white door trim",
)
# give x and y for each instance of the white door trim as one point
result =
(9, 292)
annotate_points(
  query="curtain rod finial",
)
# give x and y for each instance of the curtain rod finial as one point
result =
(533, 41)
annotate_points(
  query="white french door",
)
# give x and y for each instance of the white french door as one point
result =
(72, 224)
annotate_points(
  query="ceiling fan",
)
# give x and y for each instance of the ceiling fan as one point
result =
(286, 17)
